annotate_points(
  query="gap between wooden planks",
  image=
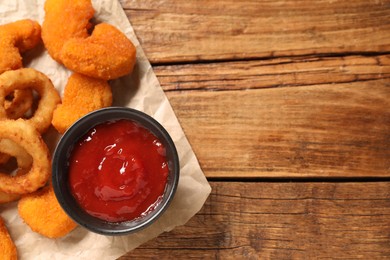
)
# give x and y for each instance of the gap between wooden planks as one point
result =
(282, 221)
(286, 117)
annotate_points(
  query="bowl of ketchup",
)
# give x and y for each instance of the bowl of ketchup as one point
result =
(115, 171)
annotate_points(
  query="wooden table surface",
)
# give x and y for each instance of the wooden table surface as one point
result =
(287, 107)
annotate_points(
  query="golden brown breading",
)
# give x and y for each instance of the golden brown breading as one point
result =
(27, 136)
(7, 246)
(65, 19)
(16, 38)
(21, 103)
(24, 162)
(5, 197)
(106, 54)
(82, 95)
(29, 78)
(43, 214)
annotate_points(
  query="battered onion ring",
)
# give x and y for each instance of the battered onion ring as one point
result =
(25, 135)
(4, 158)
(31, 78)
(17, 38)
(23, 159)
(3, 113)
(5, 197)
(21, 103)
(11, 148)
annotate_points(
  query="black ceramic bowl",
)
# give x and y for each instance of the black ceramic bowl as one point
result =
(60, 170)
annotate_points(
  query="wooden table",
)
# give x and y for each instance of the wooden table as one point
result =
(287, 107)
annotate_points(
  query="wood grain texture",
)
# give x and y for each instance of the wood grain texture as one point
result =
(173, 31)
(275, 72)
(277, 89)
(282, 221)
(334, 122)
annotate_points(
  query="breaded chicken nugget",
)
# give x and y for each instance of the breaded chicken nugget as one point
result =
(65, 19)
(7, 246)
(43, 214)
(16, 38)
(82, 95)
(106, 54)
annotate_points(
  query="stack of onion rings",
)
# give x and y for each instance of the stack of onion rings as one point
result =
(30, 78)
(16, 38)
(21, 138)
(22, 122)
(96, 57)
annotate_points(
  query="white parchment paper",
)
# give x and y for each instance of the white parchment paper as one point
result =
(140, 90)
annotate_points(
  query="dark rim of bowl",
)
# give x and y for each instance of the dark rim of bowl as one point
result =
(65, 146)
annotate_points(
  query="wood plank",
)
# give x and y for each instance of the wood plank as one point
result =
(175, 31)
(335, 122)
(314, 131)
(282, 221)
(277, 72)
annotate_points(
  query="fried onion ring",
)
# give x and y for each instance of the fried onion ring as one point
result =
(27, 136)
(21, 103)
(24, 161)
(106, 54)
(4, 158)
(43, 214)
(11, 148)
(17, 38)
(65, 19)
(6, 197)
(7, 246)
(31, 78)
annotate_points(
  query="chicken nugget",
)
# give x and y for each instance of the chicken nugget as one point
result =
(7, 246)
(82, 95)
(65, 19)
(106, 54)
(16, 38)
(43, 214)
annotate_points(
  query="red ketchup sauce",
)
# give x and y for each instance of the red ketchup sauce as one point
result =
(118, 171)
